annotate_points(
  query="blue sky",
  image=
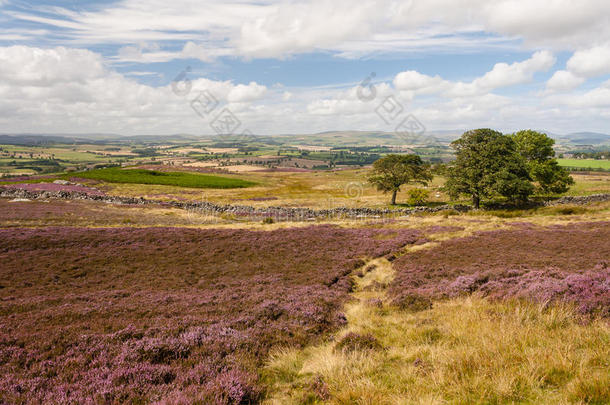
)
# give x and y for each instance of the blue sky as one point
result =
(295, 66)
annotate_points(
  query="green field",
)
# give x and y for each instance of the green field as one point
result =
(180, 179)
(585, 163)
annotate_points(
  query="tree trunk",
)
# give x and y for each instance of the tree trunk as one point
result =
(476, 201)
(394, 197)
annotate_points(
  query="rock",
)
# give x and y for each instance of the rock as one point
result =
(579, 200)
(62, 182)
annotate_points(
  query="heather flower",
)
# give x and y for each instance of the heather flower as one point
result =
(554, 264)
(167, 315)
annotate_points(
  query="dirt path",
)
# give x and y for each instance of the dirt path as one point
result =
(295, 372)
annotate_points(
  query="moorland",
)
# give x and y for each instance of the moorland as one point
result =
(108, 302)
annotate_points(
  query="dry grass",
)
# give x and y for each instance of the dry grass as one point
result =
(89, 213)
(466, 350)
(318, 189)
(590, 183)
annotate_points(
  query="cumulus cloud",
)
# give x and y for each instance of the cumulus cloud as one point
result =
(354, 100)
(22, 65)
(67, 88)
(243, 93)
(590, 62)
(412, 80)
(62, 89)
(563, 80)
(591, 100)
(502, 75)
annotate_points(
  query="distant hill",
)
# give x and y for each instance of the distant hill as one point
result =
(45, 139)
(587, 138)
(327, 138)
(31, 140)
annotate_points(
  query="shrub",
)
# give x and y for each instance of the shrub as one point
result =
(375, 302)
(574, 210)
(268, 220)
(418, 196)
(158, 350)
(235, 387)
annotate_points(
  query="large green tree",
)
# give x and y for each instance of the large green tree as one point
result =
(537, 150)
(392, 171)
(487, 163)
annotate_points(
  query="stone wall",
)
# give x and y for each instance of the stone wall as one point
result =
(278, 213)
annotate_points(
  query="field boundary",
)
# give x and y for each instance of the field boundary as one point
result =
(276, 213)
(206, 207)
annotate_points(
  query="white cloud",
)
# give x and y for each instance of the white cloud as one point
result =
(22, 65)
(254, 29)
(591, 62)
(590, 100)
(60, 89)
(72, 90)
(349, 101)
(563, 80)
(192, 50)
(562, 24)
(142, 73)
(412, 80)
(152, 53)
(502, 75)
(243, 93)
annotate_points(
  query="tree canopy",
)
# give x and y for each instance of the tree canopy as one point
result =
(488, 163)
(537, 150)
(392, 171)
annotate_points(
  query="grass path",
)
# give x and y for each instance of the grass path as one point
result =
(464, 350)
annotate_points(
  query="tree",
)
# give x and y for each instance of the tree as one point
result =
(537, 150)
(487, 163)
(392, 171)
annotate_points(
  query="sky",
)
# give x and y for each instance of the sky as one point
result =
(278, 67)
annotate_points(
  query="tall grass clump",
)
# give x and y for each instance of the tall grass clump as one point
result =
(463, 350)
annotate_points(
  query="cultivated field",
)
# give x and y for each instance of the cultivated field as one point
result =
(585, 163)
